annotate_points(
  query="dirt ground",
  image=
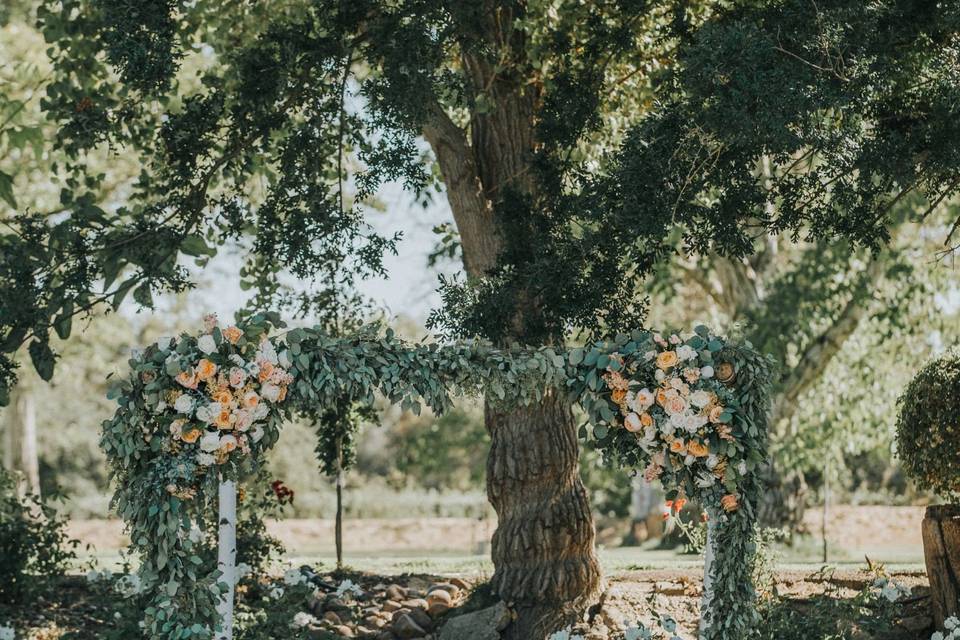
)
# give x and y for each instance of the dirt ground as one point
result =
(854, 528)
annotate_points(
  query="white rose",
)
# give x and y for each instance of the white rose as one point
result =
(270, 392)
(195, 534)
(632, 423)
(244, 420)
(667, 428)
(160, 407)
(205, 459)
(302, 619)
(700, 398)
(643, 400)
(209, 412)
(742, 467)
(659, 375)
(257, 434)
(284, 359)
(706, 372)
(252, 368)
(237, 360)
(260, 411)
(206, 344)
(267, 352)
(951, 623)
(712, 461)
(689, 460)
(691, 424)
(650, 355)
(210, 442)
(686, 352)
(184, 404)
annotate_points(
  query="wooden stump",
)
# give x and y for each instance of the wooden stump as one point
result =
(941, 548)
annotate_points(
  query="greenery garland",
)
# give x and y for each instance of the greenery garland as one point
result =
(167, 477)
(691, 412)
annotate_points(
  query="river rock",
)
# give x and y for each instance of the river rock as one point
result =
(406, 628)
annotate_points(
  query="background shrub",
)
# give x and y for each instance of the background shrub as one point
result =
(928, 429)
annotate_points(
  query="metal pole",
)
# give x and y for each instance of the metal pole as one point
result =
(227, 555)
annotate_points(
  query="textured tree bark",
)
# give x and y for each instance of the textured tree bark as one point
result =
(545, 565)
(941, 549)
(546, 568)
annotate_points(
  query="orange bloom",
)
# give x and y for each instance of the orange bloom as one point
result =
(188, 379)
(266, 368)
(646, 419)
(232, 334)
(618, 396)
(662, 397)
(676, 505)
(206, 369)
(729, 503)
(224, 420)
(697, 449)
(667, 359)
(677, 446)
(282, 394)
(190, 436)
(223, 396)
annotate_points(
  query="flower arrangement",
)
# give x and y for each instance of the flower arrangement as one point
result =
(212, 398)
(679, 415)
(691, 413)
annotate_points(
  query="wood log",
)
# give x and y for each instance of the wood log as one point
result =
(941, 549)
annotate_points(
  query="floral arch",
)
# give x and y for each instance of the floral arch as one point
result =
(198, 413)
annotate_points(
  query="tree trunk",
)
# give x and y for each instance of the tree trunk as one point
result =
(545, 565)
(20, 448)
(941, 549)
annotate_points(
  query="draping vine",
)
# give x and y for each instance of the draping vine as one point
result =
(196, 409)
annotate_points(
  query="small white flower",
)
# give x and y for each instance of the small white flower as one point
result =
(712, 461)
(650, 355)
(303, 619)
(742, 467)
(205, 459)
(348, 586)
(659, 375)
(184, 404)
(7, 632)
(276, 593)
(206, 344)
(267, 352)
(257, 434)
(294, 577)
(284, 359)
(705, 480)
(128, 586)
(951, 623)
(195, 534)
(236, 359)
(674, 339)
(210, 442)
(937, 636)
(891, 592)
(706, 372)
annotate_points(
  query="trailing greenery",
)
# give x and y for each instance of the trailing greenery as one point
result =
(693, 413)
(34, 546)
(928, 429)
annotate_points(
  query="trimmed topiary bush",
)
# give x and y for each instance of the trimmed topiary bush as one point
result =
(928, 429)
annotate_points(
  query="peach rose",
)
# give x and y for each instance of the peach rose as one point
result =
(725, 432)
(691, 374)
(232, 334)
(729, 503)
(715, 414)
(206, 369)
(632, 423)
(652, 472)
(697, 449)
(677, 446)
(190, 436)
(188, 379)
(661, 397)
(223, 396)
(667, 359)
(646, 419)
(251, 399)
(675, 405)
(266, 368)
(225, 419)
(282, 394)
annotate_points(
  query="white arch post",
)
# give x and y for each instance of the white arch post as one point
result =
(227, 555)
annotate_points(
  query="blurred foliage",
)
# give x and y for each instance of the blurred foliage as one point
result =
(34, 546)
